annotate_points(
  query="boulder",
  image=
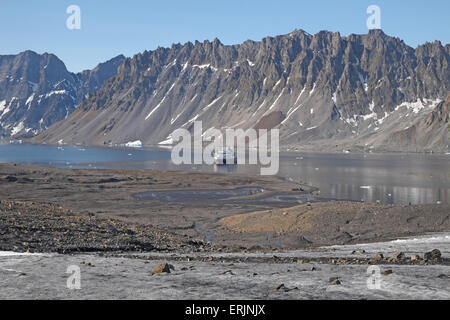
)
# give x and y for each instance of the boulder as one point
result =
(415, 258)
(398, 256)
(378, 257)
(11, 179)
(162, 268)
(282, 287)
(334, 281)
(432, 255)
(227, 272)
(279, 287)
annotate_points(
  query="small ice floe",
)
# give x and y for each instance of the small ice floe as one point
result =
(130, 154)
(365, 187)
(389, 194)
(345, 151)
(438, 202)
(317, 169)
(134, 144)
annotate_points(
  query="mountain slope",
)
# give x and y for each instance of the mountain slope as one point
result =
(37, 90)
(432, 131)
(325, 91)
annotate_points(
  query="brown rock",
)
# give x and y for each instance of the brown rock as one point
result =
(227, 272)
(162, 268)
(334, 281)
(378, 257)
(388, 272)
(398, 256)
(279, 287)
(283, 288)
(415, 258)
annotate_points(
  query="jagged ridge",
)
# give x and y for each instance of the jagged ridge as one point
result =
(331, 91)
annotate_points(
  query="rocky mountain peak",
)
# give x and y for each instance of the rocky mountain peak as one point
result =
(323, 89)
(37, 90)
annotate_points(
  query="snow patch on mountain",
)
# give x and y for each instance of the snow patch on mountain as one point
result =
(17, 128)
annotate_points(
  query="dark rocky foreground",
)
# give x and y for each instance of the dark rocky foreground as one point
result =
(34, 227)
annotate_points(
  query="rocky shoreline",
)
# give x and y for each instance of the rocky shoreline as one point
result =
(73, 211)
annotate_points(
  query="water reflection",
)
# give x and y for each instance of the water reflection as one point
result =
(385, 178)
(225, 169)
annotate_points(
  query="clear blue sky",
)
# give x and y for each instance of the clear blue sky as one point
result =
(113, 27)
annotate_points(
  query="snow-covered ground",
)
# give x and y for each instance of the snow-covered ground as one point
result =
(45, 276)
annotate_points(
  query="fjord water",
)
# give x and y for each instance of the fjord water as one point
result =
(385, 178)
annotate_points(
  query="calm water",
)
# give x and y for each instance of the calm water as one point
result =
(388, 178)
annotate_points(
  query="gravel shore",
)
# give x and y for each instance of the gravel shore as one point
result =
(65, 210)
(34, 227)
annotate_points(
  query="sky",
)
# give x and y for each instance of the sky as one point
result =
(113, 27)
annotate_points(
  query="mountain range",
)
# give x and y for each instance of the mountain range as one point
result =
(36, 90)
(323, 91)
